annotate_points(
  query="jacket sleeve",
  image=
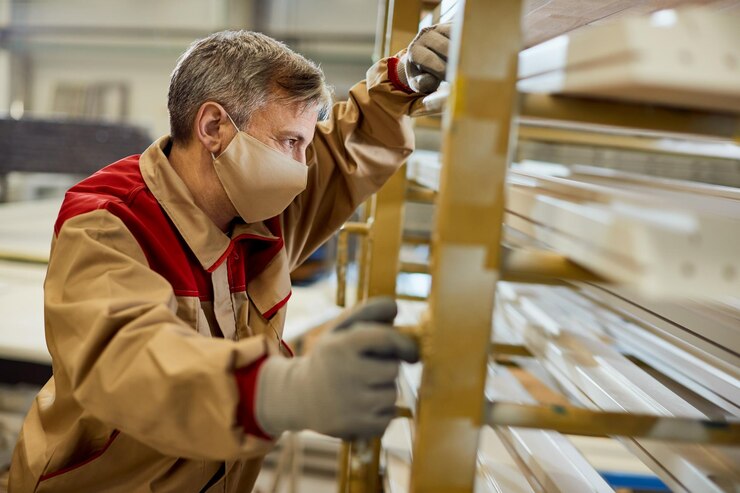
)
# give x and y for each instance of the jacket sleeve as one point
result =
(116, 340)
(365, 140)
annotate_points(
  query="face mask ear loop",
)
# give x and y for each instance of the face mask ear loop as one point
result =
(232, 122)
(213, 156)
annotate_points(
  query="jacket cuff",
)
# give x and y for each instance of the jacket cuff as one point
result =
(397, 75)
(246, 381)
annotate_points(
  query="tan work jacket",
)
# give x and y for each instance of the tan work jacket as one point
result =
(150, 309)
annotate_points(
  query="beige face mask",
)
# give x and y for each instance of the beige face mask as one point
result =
(260, 181)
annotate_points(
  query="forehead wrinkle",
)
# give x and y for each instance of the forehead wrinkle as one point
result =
(282, 119)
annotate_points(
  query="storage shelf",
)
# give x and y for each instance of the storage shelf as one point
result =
(673, 239)
(580, 113)
(543, 254)
(573, 339)
(693, 90)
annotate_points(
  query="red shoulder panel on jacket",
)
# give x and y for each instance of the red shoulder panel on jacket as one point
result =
(120, 189)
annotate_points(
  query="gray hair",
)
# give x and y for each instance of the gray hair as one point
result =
(242, 71)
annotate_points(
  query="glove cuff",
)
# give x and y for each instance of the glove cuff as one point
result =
(274, 411)
(246, 381)
(397, 74)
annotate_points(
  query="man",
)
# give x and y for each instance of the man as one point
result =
(169, 277)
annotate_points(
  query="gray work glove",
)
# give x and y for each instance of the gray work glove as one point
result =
(346, 386)
(424, 65)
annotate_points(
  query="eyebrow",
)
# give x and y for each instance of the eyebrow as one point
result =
(293, 134)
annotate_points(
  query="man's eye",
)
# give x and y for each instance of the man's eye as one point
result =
(291, 143)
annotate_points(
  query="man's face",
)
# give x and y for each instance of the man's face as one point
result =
(287, 128)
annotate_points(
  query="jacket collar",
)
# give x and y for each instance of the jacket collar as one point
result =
(209, 244)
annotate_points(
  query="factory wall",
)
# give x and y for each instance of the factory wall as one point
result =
(132, 46)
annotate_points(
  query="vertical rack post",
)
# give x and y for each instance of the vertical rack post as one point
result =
(385, 237)
(465, 265)
(363, 250)
(360, 459)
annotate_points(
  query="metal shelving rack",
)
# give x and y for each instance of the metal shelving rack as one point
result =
(482, 112)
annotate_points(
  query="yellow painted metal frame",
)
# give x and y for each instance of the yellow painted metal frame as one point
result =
(651, 119)
(537, 110)
(656, 144)
(585, 422)
(466, 256)
(541, 266)
(359, 462)
(19, 257)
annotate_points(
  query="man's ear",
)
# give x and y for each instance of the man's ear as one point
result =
(213, 128)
